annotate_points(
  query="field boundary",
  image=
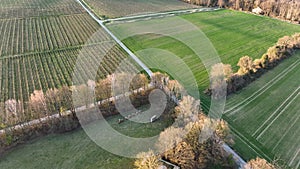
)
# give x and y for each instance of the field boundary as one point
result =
(128, 51)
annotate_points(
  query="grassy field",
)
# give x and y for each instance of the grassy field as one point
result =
(118, 8)
(275, 128)
(76, 150)
(234, 34)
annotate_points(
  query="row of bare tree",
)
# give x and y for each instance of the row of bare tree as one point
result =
(56, 101)
(251, 69)
(54, 110)
(284, 9)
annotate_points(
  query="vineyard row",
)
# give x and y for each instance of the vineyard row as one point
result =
(18, 36)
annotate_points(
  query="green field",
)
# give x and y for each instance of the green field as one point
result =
(76, 150)
(118, 8)
(233, 34)
(236, 34)
(273, 129)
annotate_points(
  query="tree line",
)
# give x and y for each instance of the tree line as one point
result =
(53, 111)
(284, 9)
(250, 69)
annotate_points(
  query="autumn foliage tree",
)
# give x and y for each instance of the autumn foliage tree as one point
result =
(259, 163)
(147, 160)
(37, 104)
(219, 74)
(246, 65)
(195, 141)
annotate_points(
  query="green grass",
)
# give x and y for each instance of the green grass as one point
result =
(233, 34)
(270, 117)
(76, 150)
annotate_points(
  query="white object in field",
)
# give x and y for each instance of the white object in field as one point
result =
(257, 10)
(153, 118)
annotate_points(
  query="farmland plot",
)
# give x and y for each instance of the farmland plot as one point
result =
(38, 8)
(276, 126)
(23, 74)
(233, 34)
(44, 34)
(117, 8)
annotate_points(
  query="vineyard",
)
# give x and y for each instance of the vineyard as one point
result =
(38, 8)
(23, 74)
(40, 42)
(25, 35)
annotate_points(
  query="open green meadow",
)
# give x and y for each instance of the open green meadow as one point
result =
(233, 34)
(76, 150)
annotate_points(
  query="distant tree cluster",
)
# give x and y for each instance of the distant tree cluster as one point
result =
(250, 69)
(284, 9)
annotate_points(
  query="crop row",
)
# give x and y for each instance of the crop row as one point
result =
(23, 74)
(19, 36)
(36, 8)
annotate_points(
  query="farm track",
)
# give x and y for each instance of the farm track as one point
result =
(286, 103)
(285, 133)
(259, 92)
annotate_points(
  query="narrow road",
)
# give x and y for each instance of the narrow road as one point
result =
(161, 14)
(131, 54)
(241, 163)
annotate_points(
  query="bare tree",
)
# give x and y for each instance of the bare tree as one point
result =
(14, 111)
(259, 163)
(187, 111)
(37, 104)
(169, 138)
(139, 81)
(66, 102)
(103, 89)
(159, 80)
(147, 160)
(52, 98)
(246, 65)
